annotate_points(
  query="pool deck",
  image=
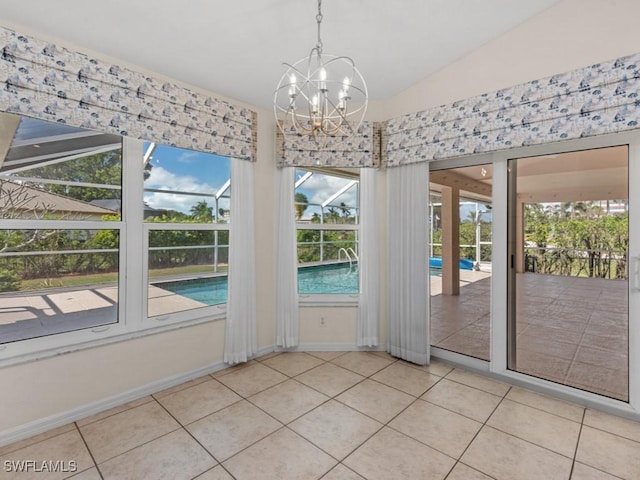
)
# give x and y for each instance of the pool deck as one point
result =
(58, 310)
(570, 330)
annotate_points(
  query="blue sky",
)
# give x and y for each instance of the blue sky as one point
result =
(196, 172)
(185, 171)
(319, 188)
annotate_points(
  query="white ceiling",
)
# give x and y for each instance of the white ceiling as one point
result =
(236, 48)
(596, 174)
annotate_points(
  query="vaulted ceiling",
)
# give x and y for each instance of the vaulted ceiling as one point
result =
(236, 48)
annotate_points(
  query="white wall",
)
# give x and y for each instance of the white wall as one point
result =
(570, 35)
(36, 390)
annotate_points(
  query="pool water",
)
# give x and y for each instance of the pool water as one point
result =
(339, 278)
(210, 291)
(335, 278)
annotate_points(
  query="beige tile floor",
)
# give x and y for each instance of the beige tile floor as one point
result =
(341, 416)
(570, 330)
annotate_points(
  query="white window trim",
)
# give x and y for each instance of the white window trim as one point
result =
(132, 295)
(327, 299)
(41, 347)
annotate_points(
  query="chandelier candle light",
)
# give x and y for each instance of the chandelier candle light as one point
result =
(322, 96)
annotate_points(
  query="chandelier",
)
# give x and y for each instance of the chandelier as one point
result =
(321, 96)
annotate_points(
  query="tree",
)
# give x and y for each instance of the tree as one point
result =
(582, 241)
(346, 211)
(202, 212)
(101, 168)
(20, 201)
(333, 216)
(301, 203)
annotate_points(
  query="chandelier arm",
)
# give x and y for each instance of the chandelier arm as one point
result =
(295, 121)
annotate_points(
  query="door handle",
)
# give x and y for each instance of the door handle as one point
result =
(635, 274)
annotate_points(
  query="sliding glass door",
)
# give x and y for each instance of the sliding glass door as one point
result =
(460, 259)
(569, 268)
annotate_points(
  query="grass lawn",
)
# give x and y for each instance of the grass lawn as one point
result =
(110, 277)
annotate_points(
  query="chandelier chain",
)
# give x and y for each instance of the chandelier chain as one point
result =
(319, 20)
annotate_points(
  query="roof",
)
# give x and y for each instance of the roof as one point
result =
(36, 142)
(33, 199)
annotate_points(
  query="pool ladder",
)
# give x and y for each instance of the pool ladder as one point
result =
(350, 254)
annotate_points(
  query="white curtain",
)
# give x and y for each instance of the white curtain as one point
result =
(240, 340)
(408, 262)
(368, 303)
(286, 262)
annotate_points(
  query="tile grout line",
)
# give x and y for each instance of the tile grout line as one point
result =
(575, 452)
(151, 396)
(575, 355)
(282, 425)
(382, 424)
(546, 411)
(28, 445)
(484, 424)
(86, 445)
(614, 434)
(184, 428)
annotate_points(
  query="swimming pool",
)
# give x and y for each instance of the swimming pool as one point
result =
(210, 291)
(338, 278)
(334, 278)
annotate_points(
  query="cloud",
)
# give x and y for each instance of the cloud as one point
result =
(187, 156)
(162, 179)
(320, 187)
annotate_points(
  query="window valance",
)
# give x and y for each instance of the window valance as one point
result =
(595, 100)
(361, 150)
(49, 82)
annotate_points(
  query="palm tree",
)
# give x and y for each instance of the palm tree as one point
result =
(301, 202)
(202, 212)
(346, 211)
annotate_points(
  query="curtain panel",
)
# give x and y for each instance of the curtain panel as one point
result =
(408, 263)
(361, 150)
(240, 338)
(599, 99)
(368, 263)
(287, 325)
(49, 82)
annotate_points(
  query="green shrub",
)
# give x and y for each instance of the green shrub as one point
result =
(9, 281)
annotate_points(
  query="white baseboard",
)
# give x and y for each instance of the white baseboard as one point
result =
(41, 425)
(331, 347)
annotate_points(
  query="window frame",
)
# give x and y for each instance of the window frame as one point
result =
(209, 312)
(37, 347)
(328, 299)
(132, 275)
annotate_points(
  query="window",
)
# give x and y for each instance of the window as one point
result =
(186, 215)
(327, 208)
(87, 218)
(60, 198)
